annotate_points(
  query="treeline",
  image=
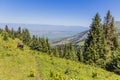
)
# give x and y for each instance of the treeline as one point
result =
(34, 42)
(40, 44)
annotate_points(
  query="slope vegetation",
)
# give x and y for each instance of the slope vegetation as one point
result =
(17, 64)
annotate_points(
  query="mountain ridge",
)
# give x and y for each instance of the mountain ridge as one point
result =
(80, 37)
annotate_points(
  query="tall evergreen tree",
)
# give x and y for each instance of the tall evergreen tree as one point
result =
(55, 52)
(12, 33)
(69, 52)
(6, 28)
(19, 33)
(26, 36)
(80, 55)
(110, 32)
(94, 44)
(5, 35)
(114, 35)
(34, 45)
(19, 30)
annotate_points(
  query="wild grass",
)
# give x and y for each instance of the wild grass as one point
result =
(17, 64)
(52, 68)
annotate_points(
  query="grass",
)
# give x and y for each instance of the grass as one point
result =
(52, 68)
(16, 64)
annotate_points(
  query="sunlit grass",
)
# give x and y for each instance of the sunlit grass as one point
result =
(17, 64)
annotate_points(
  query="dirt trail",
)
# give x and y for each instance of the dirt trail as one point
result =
(37, 68)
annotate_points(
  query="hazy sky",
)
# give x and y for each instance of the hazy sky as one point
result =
(56, 12)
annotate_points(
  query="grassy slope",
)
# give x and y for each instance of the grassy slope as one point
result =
(16, 64)
(71, 70)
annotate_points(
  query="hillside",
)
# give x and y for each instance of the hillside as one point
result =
(17, 64)
(74, 39)
(79, 38)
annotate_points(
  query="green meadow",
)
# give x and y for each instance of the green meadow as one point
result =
(18, 64)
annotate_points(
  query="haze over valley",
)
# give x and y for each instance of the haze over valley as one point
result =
(52, 32)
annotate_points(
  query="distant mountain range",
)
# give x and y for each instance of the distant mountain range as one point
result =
(53, 32)
(79, 38)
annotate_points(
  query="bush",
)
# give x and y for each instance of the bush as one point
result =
(94, 75)
(32, 74)
(5, 36)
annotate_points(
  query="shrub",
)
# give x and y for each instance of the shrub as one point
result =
(32, 74)
(94, 74)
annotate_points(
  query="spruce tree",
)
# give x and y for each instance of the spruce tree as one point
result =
(114, 35)
(34, 43)
(69, 52)
(19, 33)
(80, 54)
(93, 49)
(19, 30)
(114, 64)
(55, 52)
(6, 28)
(110, 32)
(5, 35)
(26, 36)
(12, 33)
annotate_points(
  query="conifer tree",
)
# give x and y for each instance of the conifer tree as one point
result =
(34, 43)
(114, 64)
(5, 35)
(12, 33)
(55, 52)
(19, 33)
(80, 55)
(69, 52)
(26, 36)
(94, 44)
(19, 30)
(110, 32)
(115, 35)
(6, 28)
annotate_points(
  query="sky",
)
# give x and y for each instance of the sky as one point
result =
(56, 12)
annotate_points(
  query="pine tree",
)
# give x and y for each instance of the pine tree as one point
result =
(93, 49)
(110, 32)
(19, 30)
(12, 33)
(6, 28)
(44, 46)
(19, 33)
(69, 52)
(34, 43)
(48, 49)
(26, 36)
(55, 52)
(39, 44)
(5, 35)
(114, 64)
(80, 55)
